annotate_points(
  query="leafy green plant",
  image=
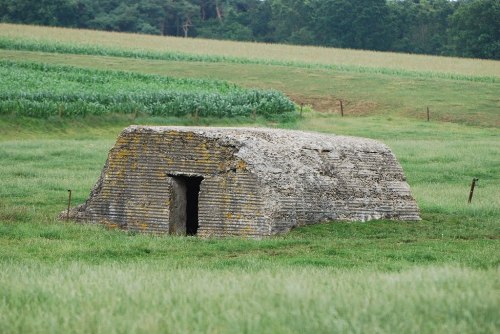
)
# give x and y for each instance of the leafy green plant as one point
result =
(39, 90)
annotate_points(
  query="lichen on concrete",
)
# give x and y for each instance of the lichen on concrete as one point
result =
(256, 181)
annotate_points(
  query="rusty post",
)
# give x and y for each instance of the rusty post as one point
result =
(301, 107)
(474, 180)
(341, 108)
(69, 203)
(428, 115)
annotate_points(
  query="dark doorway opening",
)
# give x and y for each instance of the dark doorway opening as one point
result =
(192, 193)
(184, 204)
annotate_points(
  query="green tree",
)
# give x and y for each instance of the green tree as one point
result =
(359, 24)
(464, 27)
(122, 18)
(420, 26)
(260, 17)
(291, 20)
(70, 13)
(231, 19)
(475, 29)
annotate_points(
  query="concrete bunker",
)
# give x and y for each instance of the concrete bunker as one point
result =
(243, 181)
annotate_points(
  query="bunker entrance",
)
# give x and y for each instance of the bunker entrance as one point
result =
(184, 204)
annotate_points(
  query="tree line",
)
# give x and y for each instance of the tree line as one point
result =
(466, 28)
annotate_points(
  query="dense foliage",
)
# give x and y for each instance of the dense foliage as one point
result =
(41, 91)
(468, 28)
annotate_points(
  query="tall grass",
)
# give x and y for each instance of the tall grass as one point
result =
(155, 298)
(253, 51)
(38, 90)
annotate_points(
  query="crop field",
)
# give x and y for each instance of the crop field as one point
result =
(469, 100)
(45, 37)
(434, 276)
(38, 90)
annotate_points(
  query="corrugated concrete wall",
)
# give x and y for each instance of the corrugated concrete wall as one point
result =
(256, 182)
(347, 185)
(135, 188)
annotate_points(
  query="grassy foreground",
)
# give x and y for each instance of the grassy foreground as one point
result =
(154, 298)
(438, 275)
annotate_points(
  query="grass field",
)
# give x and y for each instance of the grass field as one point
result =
(437, 275)
(266, 52)
(142, 298)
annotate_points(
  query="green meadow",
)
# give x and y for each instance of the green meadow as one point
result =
(437, 275)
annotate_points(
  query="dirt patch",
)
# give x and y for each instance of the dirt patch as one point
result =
(361, 108)
(331, 104)
(318, 103)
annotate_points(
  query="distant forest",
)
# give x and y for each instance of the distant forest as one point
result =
(465, 28)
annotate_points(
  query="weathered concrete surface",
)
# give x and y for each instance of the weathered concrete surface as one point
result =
(256, 182)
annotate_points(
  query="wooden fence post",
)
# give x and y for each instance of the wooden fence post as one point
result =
(474, 180)
(69, 204)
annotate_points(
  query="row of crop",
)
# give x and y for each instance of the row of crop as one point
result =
(246, 103)
(53, 47)
(29, 76)
(42, 90)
